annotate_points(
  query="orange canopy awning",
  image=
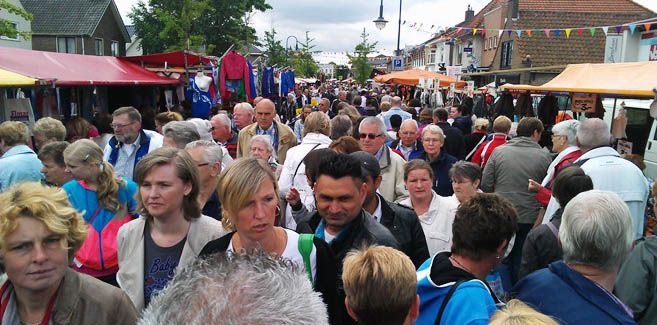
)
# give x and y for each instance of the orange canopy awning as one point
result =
(632, 79)
(412, 78)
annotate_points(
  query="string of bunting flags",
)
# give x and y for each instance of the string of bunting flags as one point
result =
(557, 32)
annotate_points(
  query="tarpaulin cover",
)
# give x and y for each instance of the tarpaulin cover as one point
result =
(8, 78)
(172, 59)
(412, 78)
(77, 70)
(634, 79)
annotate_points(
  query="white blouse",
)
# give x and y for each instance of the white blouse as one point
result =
(437, 222)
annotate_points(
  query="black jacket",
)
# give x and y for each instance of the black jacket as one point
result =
(326, 273)
(441, 165)
(404, 224)
(454, 142)
(363, 230)
(541, 247)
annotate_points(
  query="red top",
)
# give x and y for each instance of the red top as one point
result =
(234, 67)
(484, 151)
(545, 192)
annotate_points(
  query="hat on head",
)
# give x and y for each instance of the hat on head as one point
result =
(368, 163)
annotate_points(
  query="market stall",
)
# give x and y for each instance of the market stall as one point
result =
(412, 77)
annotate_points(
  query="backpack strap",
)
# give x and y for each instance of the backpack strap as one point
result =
(305, 248)
(449, 295)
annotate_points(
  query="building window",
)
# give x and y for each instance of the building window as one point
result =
(100, 46)
(115, 48)
(9, 38)
(66, 45)
(495, 41)
(507, 52)
(432, 57)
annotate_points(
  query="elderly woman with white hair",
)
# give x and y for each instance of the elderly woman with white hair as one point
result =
(204, 129)
(433, 140)
(596, 235)
(564, 143)
(260, 147)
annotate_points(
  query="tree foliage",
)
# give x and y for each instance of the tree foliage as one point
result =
(359, 66)
(213, 25)
(274, 49)
(302, 61)
(341, 72)
(7, 27)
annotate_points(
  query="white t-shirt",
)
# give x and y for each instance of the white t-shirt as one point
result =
(291, 252)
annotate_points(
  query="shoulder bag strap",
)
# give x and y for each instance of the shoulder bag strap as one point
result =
(306, 248)
(449, 295)
(554, 231)
(301, 162)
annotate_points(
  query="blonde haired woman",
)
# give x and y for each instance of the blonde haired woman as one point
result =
(171, 230)
(249, 193)
(39, 233)
(517, 312)
(107, 203)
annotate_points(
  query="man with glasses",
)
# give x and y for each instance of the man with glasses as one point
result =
(207, 156)
(130, 142)
(372, 140)
(324, 107)
(408, 143)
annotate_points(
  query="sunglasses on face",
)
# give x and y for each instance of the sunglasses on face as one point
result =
(371, 136)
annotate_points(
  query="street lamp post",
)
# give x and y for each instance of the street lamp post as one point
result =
(380, 23)
(296, 45)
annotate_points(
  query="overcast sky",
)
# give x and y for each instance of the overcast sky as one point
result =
(336, 25)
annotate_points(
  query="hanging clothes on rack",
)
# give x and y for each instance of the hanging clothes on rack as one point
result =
(234, 69)
(252, 83)
(267, 82)
(200, 94)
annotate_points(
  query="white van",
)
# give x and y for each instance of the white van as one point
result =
(641, 129)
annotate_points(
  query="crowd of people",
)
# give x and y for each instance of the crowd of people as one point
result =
(365, 208)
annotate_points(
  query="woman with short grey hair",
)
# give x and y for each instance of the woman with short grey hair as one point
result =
(564, 143)
(177, 134)
(596, 235)
(466, 177)
(260, 147)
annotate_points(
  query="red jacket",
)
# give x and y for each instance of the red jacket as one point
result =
(234, 67)
(545, 192)
(485, 149)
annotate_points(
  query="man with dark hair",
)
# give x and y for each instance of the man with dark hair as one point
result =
(130, 142)
(506, 173)
(340, 220)
(462, 119)
(402, 221)
(54, 168)
(454, 141)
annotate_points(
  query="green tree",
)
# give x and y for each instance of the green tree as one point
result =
(196, 24)
(302, 61)
(274, 49)
(359, 66)
(341, 72)
(7, 27)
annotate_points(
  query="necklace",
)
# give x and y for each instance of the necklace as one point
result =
(460, 265)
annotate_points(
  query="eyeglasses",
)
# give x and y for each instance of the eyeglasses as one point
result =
(202, 164)
(371, 136)
(431, 140)
(120, 126)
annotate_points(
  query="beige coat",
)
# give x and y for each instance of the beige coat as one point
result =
(130, 245)
(392, 186)
(286, 140)
(82, 299)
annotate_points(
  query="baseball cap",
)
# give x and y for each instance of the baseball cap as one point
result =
(368, 163)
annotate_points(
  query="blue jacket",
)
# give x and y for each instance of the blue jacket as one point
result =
(472, 302)
(569, 297)
(19, 164)
(442, 184)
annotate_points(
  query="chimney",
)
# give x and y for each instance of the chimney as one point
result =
(514, 9)
(469, 14)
